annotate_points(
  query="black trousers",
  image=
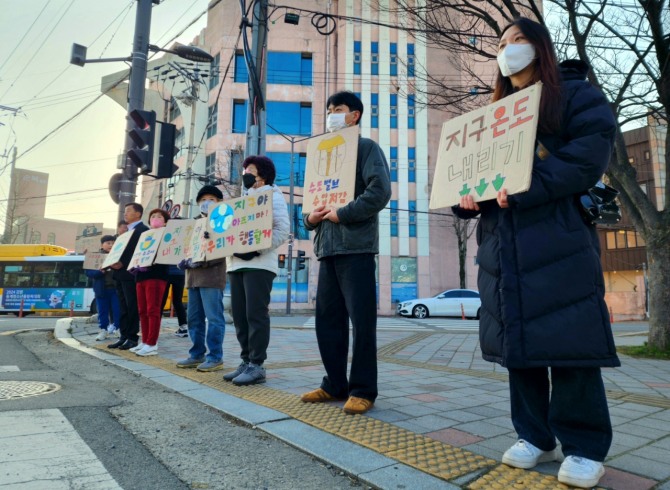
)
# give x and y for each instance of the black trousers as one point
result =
(177, 282)
(575, 412)
(250, 297)
(347, 290)
(130, 316)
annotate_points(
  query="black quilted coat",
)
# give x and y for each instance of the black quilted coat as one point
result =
(540, 277)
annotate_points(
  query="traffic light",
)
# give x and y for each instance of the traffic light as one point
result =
(143, 134)
(281, 259)
(301, 259)
(166, 151)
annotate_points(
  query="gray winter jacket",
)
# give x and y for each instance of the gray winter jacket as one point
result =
(358, 229)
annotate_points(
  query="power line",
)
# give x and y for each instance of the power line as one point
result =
(13, 51)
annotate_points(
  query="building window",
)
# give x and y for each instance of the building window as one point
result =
(621, 239)
(239, 116)
(241, 75)
(374, 58)
(301, 232)
(174, 109)
(289, 68)
(631, 160)
(210, 167)
(51, 238)
(410, 60)
(214, 71)
(289, 118)
(394, 111)
(394, 164)
(282, 161)
(357, 57)
(374, 110)
(411, 164)
(212, 118)
(412, 218)
(179, 139)
(36, 237)
(393, 68)
(647, 155)
(411, 105)
(394, 218)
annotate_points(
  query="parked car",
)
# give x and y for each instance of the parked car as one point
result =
(447, 303)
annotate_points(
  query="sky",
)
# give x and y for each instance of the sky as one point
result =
(37, 78)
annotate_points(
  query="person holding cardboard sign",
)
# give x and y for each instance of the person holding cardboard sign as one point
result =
(251, 275)
(104, 287)
(205, 282)
(543, 313)
(346, 241)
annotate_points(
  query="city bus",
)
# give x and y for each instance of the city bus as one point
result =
(43, 278)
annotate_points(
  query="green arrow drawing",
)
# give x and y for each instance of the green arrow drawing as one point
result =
(465, 191)
(498, 182)
(481, 187)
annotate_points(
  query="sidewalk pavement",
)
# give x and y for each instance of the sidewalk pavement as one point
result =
(442, 417)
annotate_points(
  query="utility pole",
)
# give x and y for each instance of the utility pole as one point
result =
(11, 202)
(138, 75)
(256, 104)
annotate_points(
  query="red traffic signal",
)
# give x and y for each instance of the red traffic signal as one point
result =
(281, 259)
(143, 134)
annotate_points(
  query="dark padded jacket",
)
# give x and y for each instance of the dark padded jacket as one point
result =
(358, 229)
(540, 276)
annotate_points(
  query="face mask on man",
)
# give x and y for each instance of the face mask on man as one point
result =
(515, 57)
(335, 122)
(248, 180)
(205, 206)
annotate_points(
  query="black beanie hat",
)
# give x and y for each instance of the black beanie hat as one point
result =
(209, 189)
(107, 238)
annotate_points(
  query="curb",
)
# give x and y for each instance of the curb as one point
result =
(366, 465)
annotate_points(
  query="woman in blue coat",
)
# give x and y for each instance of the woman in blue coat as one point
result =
(543, 314)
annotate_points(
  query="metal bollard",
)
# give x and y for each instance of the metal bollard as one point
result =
(462, 312)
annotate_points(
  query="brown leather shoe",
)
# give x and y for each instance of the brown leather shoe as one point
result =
(357, 405)
(317, 396)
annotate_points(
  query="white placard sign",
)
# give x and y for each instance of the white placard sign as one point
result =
(487, 149)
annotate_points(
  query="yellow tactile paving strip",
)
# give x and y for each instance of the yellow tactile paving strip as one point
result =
(426, 454)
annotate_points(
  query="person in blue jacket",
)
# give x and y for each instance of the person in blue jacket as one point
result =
(543, 314)
(104, 288)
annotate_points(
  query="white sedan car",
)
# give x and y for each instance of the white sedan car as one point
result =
(447, 303)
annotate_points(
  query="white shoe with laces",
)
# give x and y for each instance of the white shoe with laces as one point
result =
(147, 350)
(102, 335)
(524, 455)
(580, 472)
(137, 348)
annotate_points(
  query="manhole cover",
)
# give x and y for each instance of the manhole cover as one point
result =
(12, 390)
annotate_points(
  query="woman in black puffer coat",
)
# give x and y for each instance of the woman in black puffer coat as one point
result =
(540, 277)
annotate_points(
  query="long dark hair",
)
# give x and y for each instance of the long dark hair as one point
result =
(546, 71)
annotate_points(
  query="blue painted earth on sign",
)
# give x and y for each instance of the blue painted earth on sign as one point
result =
(221, 218)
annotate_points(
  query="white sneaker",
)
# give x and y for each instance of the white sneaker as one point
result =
(524, 455)
(580, 472)
(111, 328)
(148, 350)
(101, 336)
(137, 348)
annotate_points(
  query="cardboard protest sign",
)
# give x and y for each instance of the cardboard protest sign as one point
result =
(330, 174)
(238, 225)
(175, 244)
(94, 260)
(84, 245)
(146, 248)
(487, 149)
(117, 250)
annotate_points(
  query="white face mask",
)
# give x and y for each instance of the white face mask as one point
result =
(205, 206)
(335, 122)
(515, 57)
